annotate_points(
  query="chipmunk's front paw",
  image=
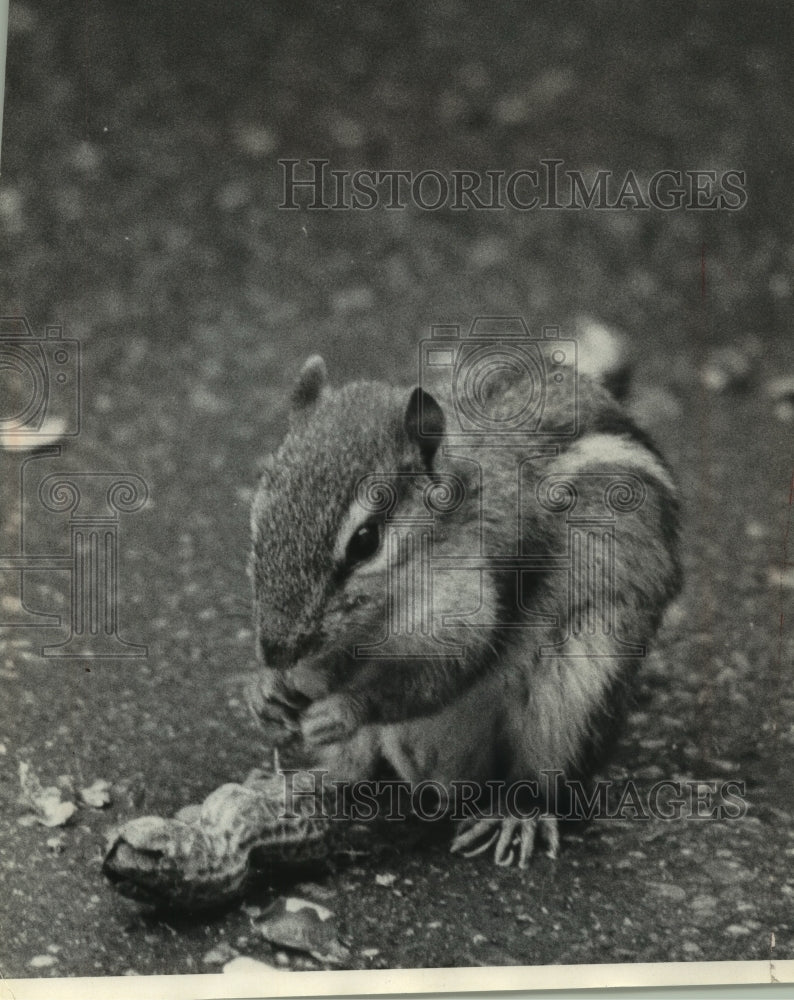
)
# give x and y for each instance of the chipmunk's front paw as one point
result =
(272, 700)
(512, 838)
(330, 720)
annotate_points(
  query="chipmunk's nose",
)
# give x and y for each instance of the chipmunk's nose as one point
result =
(281, 655)
(274, 655)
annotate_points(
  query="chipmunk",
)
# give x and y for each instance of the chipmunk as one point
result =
(463, 602)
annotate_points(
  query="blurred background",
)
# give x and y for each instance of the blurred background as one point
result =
(139, 211)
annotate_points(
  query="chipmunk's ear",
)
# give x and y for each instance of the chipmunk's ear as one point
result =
(310, 384)
(424, 424)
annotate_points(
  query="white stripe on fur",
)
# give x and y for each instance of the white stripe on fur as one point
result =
(620, 450)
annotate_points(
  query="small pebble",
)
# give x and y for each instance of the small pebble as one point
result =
(668, 891)
(727, 369)
(84, 157)
(356, 299)
(780, 286)
(244, 965)
(21, 19)
(704, 903)
(548, 88)
(205, 401)
(781, 388)
(42, 961)
(551, 85)
(347, 133)
(779, 577)
(489, 251)
(96, 795)
(255, 140)
(512, 109)
(654, 405)
(651, 772)
(653, 744)
(315, 890)
(233, 195)
(220, 955)
(13, 219)
(303, 963)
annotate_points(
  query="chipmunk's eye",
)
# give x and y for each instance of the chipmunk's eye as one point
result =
(363, 544)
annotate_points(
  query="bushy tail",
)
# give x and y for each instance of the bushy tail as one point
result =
(604, 355)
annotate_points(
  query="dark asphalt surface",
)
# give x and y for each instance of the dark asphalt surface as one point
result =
(138, 209)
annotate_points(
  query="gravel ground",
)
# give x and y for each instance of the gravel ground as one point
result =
(138, 209)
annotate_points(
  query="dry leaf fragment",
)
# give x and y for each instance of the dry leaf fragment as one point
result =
(96, 795)
(48, 807)
(244, 965)
(304, 926)
(221, 954)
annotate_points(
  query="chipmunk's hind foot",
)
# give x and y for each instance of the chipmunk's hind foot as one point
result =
(512, 838)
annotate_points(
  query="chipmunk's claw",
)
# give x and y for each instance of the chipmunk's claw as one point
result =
(513, 838)
(329, 720)
(271, 700)
(470, 832)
